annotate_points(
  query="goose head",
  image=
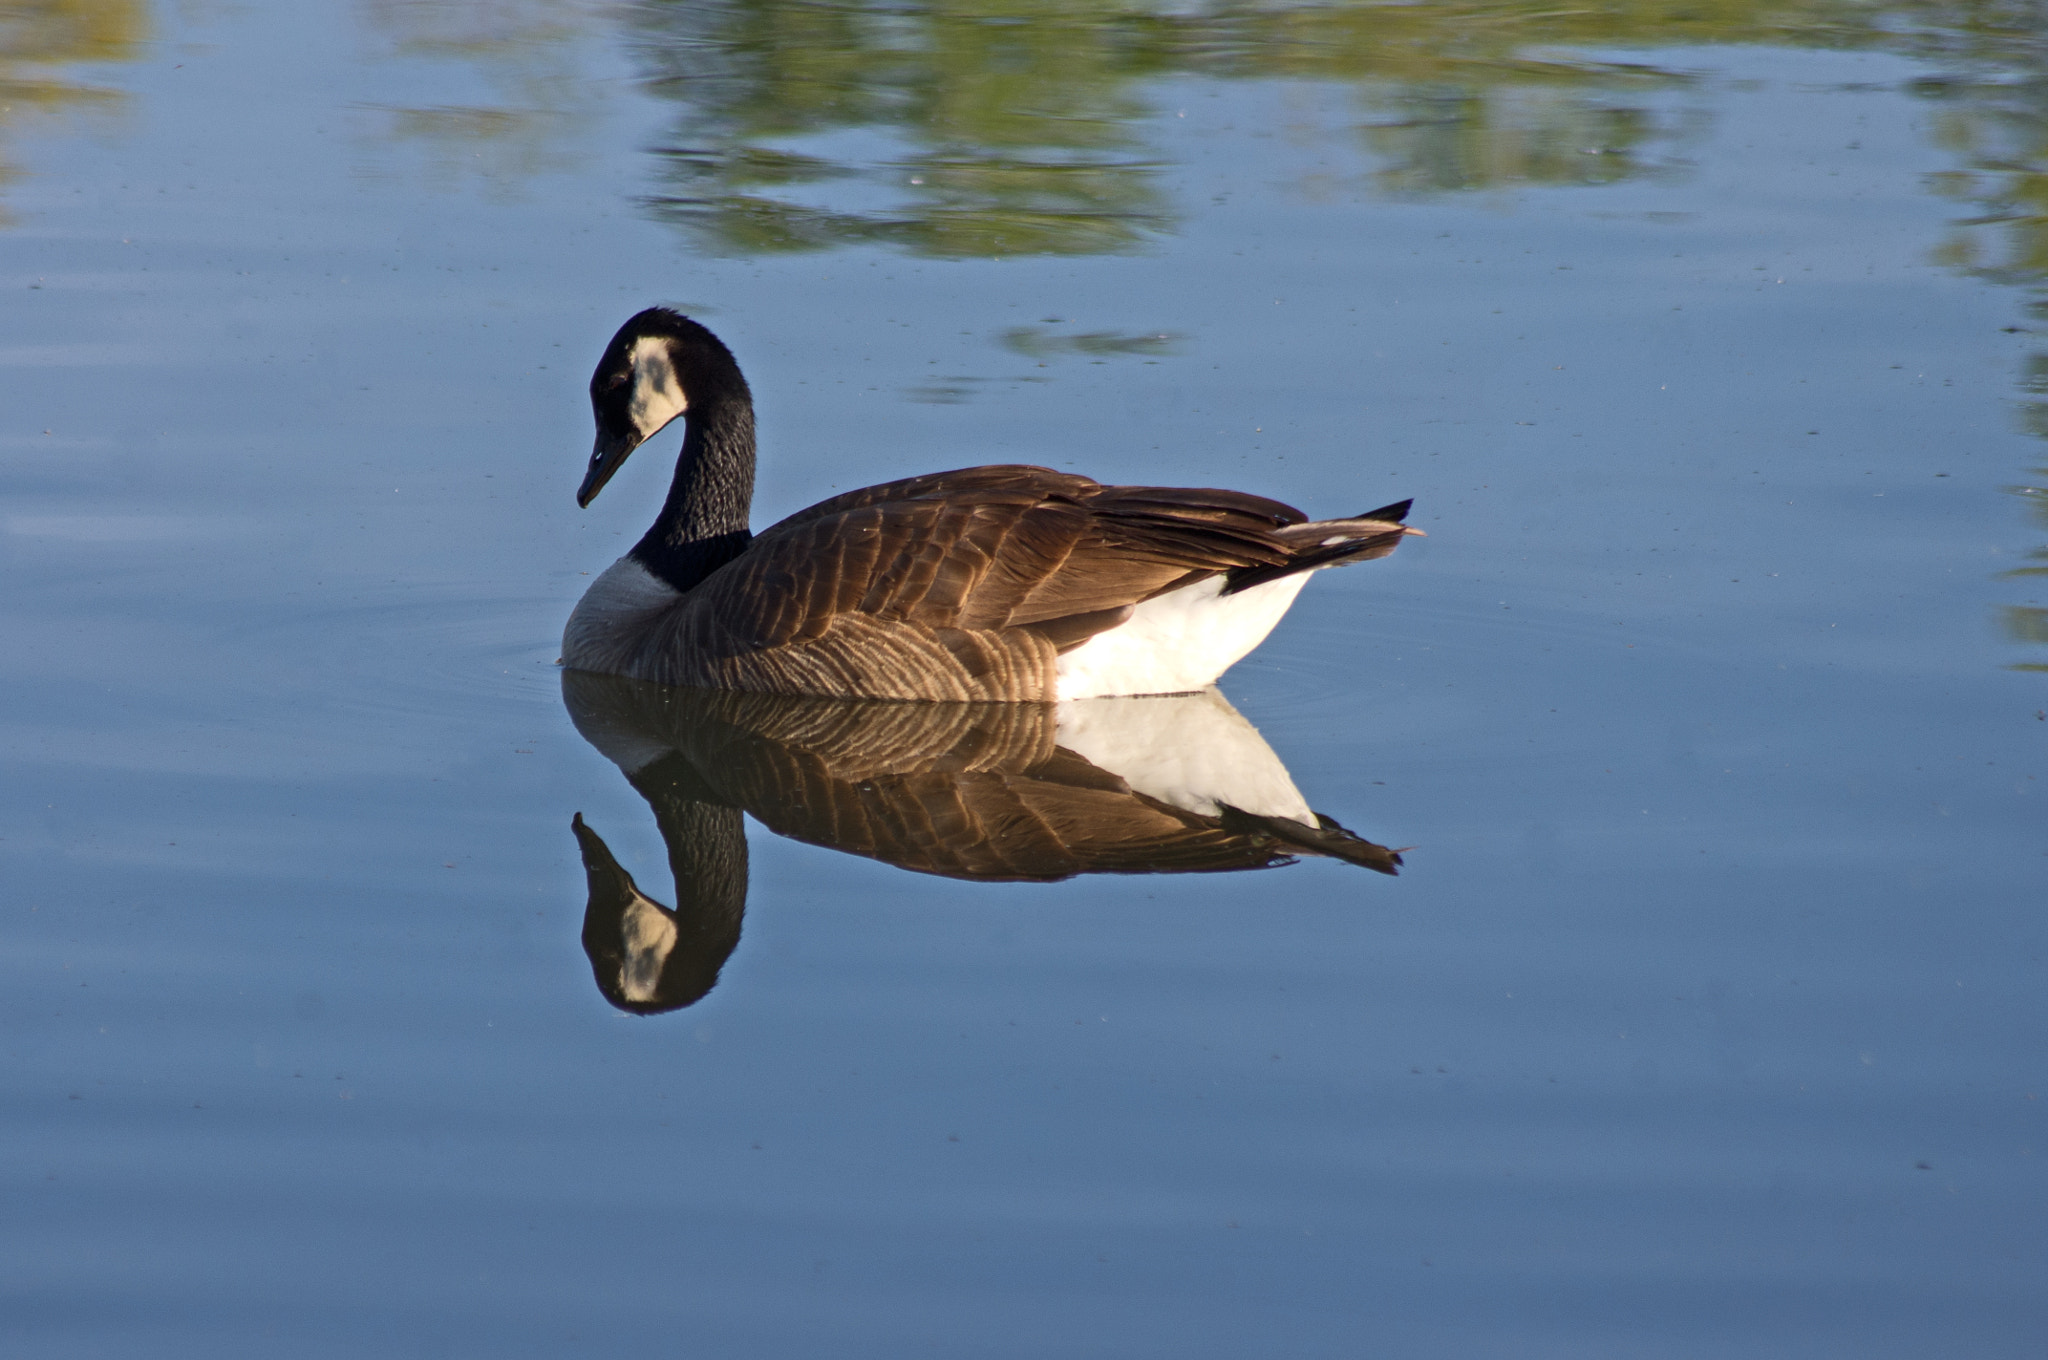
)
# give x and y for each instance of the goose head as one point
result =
(659, 366)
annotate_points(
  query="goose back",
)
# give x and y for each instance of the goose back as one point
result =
(958, 586)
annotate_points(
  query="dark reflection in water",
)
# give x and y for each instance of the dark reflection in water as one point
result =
(963, 128)
(1017, 129)
(1991, 110)
(1037, 342)
(989, 792)
(37, 37)
(959, 128)
(1009, 132)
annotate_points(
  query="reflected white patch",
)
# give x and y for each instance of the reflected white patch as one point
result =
(1178, 642)
(1193, 751)
(629, 750)
(647, 935)
(657, 396)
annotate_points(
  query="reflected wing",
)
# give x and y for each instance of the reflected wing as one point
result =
(1051, 821)
(976, 791)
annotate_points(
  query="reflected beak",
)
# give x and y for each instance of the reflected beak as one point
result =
(607, 457)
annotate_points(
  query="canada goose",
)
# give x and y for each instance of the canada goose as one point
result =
(989, 792)
(988, 583)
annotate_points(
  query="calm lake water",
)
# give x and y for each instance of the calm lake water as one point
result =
(1711, 718)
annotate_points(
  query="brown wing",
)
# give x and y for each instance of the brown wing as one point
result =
(989, 548)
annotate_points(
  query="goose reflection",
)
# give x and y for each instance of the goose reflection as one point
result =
(993, 792)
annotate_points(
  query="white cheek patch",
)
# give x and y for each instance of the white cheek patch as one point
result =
(647, 937)
(657, 396)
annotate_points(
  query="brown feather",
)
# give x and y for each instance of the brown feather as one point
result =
(976, 791)
(967, 585)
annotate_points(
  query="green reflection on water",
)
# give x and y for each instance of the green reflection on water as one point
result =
(994, 130)
(984, 128)
(1992, 115)
(1011, 127)
(1007, 127)
(38, 36)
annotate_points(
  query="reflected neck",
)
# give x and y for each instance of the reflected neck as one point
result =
(634, 967)
(703, 524)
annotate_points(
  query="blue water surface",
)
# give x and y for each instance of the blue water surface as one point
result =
(1704, 1019)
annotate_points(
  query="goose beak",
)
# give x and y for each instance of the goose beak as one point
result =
(607, 457)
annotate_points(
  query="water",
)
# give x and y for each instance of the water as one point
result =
(1703, 1018)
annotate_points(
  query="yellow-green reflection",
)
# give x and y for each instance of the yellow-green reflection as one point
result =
(957, 128)
(37, 38)
(1005, 127)
(1994, 118)
(995, 131)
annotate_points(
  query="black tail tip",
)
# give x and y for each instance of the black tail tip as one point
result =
(1394, 513)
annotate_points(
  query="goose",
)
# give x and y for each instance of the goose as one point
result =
(998, 583)
(983, 792)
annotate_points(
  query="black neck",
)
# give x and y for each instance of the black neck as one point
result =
(703, 524)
